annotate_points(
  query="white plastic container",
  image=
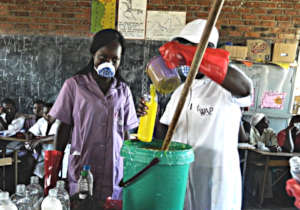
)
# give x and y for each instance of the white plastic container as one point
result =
(51, 202)
(295, 167)
(36, 192)
(63, 195)
(6, 203)
(90, 178)
(20, 193)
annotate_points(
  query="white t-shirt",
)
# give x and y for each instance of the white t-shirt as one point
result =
(40, 129)
(209, 122)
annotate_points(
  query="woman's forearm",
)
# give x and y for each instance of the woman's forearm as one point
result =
(62, 137)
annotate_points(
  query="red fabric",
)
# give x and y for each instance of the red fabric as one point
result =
(281, 136)
(112, 204)
(214, 63)
(52, 165)
(293, 189)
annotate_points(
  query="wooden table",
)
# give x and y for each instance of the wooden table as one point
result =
(266, 160)
(46, 139)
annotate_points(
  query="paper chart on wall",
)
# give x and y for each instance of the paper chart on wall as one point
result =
(132, 18)
(103, 15)
(162, 25)
(273, 100)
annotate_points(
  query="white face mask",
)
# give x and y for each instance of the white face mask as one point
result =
(183, 69)
(297, 125)
(106, 70)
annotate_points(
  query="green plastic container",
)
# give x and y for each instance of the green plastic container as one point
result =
(163, 186)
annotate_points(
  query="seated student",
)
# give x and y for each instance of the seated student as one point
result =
(261, 135)
(45, 126)
(37, 110)
(9, 119)
(12, 123)
(289, 138)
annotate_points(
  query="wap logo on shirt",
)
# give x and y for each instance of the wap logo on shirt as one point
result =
(203, 110)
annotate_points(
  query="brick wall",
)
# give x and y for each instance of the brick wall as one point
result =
(239, 20)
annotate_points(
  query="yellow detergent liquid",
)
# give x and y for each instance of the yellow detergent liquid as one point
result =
(147, 122)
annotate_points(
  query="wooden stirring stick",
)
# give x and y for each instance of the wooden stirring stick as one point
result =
(212, 19)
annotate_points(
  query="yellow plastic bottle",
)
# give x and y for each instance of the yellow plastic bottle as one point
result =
(147, 122)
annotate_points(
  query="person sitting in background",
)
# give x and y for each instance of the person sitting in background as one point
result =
(261, 135)
(9, 120)
(289, 138)
(37, 114)
(12, 123)
(45, 126)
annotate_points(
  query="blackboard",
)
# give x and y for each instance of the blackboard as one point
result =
(35, 67)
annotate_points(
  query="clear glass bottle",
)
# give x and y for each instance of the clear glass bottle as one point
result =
(20, 193)
(83, 186)
(63, 195)
(36, 192)
(25, 203)
(147, 122)
(6, 203)
(51, 202)
(90, 178)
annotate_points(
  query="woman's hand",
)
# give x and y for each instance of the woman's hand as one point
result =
(142, 107)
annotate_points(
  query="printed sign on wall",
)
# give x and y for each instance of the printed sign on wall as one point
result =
(132, 18)
(273, 100)
(162, 25)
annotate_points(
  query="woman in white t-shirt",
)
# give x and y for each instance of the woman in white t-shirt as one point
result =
(209, 122)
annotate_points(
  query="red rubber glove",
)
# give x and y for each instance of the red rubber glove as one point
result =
(214, 63)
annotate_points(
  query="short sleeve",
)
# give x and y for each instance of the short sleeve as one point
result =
(130, 118)
(63, 106)
(35, 129)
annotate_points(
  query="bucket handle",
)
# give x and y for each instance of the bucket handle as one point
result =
(132, 179)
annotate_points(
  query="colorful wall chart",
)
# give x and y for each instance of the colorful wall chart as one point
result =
(103, 14)
(273, 100)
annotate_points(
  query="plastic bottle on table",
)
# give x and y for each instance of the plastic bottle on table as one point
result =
(20, 193)
(51, 202)
(36, 192)
(6, 203)
(63, 195)
(90, 178)
(83, 186)
(147, 122)
(25, 203)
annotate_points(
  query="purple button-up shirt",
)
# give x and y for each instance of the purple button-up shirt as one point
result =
(99, 122)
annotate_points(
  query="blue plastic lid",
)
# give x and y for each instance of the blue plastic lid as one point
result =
(86, 167)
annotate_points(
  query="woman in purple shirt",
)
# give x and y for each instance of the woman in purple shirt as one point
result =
(98, 107)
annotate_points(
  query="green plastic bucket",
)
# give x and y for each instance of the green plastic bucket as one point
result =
(162, 186)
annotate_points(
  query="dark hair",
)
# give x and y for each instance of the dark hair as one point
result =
(9, 101)
(101, 39)
(48, 105)
(38, 101)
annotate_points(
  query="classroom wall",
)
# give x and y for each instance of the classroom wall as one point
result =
(239, 20)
